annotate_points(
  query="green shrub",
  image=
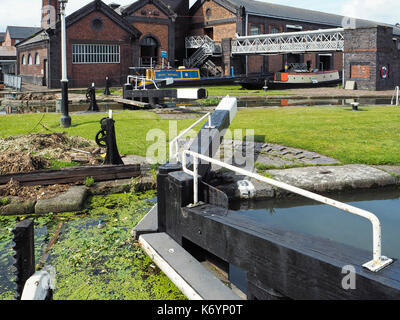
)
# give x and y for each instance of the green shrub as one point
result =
(4, 201)
(89, 181)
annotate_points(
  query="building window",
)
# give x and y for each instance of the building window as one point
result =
(23, 60)
(255, 30)
(275, 30)
(208, 13)
(30, 61)
(95, 53)
(97, 24)
(37, 58)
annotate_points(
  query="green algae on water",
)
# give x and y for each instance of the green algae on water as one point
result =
(103, 263)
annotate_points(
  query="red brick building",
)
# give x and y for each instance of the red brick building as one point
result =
(221, 19)
(103, 41)
(106, 41)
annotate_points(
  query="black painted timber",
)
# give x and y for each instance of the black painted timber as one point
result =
(24, 254)
(296, 265)
(157, 93)
(288, 264)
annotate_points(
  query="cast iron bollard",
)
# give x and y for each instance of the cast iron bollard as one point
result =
(105, 138)
(108, 85)
(355, 106)
(24, 254)
(91, 95)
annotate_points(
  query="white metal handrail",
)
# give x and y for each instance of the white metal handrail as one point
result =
(142, 79)
(379, 262)
(195, 42)
(174, 144)
(396, 96)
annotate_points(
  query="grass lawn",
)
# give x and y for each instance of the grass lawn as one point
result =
(131, 127)
(371, 136)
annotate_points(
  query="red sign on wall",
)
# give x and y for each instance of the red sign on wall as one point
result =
(360, 71)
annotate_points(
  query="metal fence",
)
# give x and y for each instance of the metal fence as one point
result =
(13, 81)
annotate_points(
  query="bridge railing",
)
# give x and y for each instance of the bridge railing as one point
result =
(305, 41)
(13, 81)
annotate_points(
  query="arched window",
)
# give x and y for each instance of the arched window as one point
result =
(37, 58)
(23, 60)
(30, 61)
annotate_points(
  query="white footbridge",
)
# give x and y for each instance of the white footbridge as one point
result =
(323, 40)
(291, 42)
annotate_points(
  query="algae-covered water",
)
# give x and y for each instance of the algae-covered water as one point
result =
(92, 262)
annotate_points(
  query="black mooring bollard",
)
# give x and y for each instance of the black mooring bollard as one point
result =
(24, 254)
(108, 85)
(106, 138)
(91, 95)
(355, 106)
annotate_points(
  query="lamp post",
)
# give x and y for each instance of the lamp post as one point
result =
(65, 118)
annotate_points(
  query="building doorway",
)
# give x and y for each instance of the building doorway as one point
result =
(325, 61)
(149, 46)
(209, 32)
(45, 75)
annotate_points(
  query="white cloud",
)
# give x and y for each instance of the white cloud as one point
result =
(376, 10)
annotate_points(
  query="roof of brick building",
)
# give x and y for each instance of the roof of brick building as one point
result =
(21, 32)
(302, 15)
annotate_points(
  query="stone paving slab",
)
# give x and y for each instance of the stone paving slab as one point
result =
(394, 170)
(269, 154)
(70, 201)
(18, 207)
(335, 178)
(315, 179)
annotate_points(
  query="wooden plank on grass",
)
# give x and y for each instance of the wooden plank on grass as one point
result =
(132, 102)
(74, 174)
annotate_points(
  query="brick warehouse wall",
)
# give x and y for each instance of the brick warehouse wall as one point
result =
(225, 24)
(367, 50)
(33, 73)
(83, 33)
(221, 20)
(159, 30)
(81, 75)
(170, 33)
(274, 63)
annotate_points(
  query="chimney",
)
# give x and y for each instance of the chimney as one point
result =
(50, 13)
(114, 5)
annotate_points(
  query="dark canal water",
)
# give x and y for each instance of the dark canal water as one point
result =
(309, 217)
(324, 221)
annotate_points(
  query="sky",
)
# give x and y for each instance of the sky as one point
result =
(28, 12)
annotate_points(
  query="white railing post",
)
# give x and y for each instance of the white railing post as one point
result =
(395, 96)
(195, 180)
(174, 144)
(376, 264)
